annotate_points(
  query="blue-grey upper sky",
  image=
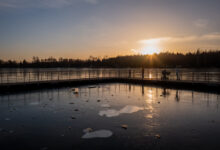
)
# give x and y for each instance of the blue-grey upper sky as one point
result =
(80, 28)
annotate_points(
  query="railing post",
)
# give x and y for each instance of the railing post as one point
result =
(38, 76)
(109, 74)
(29, 74)
(7, 78)
(208, 77)
(142, 73)
(16, 78)
(1, 78)
(129, 74)
(23, 76)
(133, 73)
(119, 74)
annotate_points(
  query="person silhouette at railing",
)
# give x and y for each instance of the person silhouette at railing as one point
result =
(177, 96)
(142, 73)
(177, 74)
(129, 73)
(165, 75)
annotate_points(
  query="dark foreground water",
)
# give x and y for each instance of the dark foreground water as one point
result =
(110, 116)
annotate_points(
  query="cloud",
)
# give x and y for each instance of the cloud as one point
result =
(211, 36)
(42, 3)
(55, 3)
(154, 40)
(201, 23)
(9, 5)
(205, 37)
(205, 41)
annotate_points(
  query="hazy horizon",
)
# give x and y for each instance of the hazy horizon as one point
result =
(81, 28)
(29, 59)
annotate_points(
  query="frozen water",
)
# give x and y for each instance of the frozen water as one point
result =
(126, 110)
(97, 134)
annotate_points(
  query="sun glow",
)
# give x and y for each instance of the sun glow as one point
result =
(149, 46)
(150, 49)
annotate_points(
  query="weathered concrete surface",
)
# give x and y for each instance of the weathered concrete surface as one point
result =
(199, 86)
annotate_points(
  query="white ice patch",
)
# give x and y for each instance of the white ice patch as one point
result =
(87, 130)
(75, 90)
(105, 105)
(97, 134)
(126, 110)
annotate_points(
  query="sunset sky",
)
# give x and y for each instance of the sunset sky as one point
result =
(80, 28)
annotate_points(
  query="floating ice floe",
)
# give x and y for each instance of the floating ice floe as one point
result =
(105, 105)
(126, 110)
(124, 126)
(97, 134)
(87, 130)
(75, 90)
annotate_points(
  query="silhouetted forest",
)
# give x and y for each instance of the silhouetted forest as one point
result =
(191, 60)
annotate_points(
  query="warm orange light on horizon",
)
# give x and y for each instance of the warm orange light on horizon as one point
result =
(150, 46)
(150, 50)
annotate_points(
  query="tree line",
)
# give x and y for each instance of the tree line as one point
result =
(196, 59)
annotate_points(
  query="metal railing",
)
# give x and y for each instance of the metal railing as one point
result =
(149, 74)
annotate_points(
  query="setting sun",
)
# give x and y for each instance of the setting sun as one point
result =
(150, 49)
(150, 46)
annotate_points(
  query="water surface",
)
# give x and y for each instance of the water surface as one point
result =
(110, 116)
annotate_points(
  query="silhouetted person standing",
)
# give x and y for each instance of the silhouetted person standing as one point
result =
(142, 73)
(177, 74)
(129, 73)
(165, 75)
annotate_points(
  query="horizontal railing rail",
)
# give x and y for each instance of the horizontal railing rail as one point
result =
(7, 77)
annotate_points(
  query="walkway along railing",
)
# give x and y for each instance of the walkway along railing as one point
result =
(154, 74)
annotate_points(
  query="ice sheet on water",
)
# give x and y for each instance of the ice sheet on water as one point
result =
(105, 105)
(97, 134)
(75, 90)
(87, 130)
(125, 110)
